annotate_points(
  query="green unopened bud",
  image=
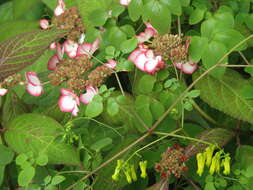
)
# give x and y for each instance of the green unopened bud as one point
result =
(128, 174)
(143, 167)
(226, 164)
(201, 163)
(209, 154)
(133, 173)
(115, 176)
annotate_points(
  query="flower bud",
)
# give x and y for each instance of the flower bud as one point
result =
(143, 167)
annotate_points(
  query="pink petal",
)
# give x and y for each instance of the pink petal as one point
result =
(125, 2)
(111, 64)
(88, 96)
(52, 62)
(58, 10)
(44, 24)
(189, 68)
(52, 46)
(60, 51)
(140, 61)
(70, 47)
(148, 25)
(150, 32)
(84, 49)
(134, 54)
(178, 65)
(95, 46)
(32, 78)
(66, 92)
(75, 111)
(151, 66)
(141, 37)
(66, 104)
(3, 91)
(81, 39)
(34, 90)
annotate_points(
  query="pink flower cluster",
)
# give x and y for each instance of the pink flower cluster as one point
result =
(125, 2)
(187, 67)
(33, 84)
(3, 91)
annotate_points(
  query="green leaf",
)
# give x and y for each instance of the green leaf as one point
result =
(193, 93)
(244, 156)
(57, 179)
(159, 16)
(196, 16)
(6, 155)
(157, 109)
(225, 95)
(197, 47)
(185, 3)
(112, 106)
(135, 9)
(146, 83)
(174, 6)
(2, 168)
(100, 144)
(42, 160)
(94, 109)
(98, 17)
(224, 19)
(116, 37)
(212, 54)
(125, 66)
(26, 176)
(21, 7)
(249, 171)
(22, 50)
(230, 38)
(128, 45)
(128, 30)
(117, 10)
(209, 186)
(36, 133)
(6, 11)
(249, 22)
(21, 159)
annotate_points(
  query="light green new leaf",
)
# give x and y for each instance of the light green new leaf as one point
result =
(94, 109)
(26, 176)
(196, 16)
(225, 94)
(38, 133)
(135, 9)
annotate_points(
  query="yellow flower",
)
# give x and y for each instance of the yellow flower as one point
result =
(133, 174)
(215, 165)
(209, 154)
(127, 173)
(226, 164)
(143, 167)
(201, 163)
(115, 176)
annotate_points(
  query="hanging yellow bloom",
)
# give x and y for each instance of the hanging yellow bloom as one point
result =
(127, 172)
(201, 163)
(215, 165)
(209, 154)
(115, 176)
(226, 164)
(143, 167)
(133, 173)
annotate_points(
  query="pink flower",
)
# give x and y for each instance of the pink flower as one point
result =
(60, 8)
(3, 91)
(88, 48)
(68, 102)
(70, 47)
(125, 2)
(33, 85)
(88, 96)
(44, 24)
(111, 64)
(145, 60)
(52, 46)
(55, 59)
(189, 67)
(149, 32)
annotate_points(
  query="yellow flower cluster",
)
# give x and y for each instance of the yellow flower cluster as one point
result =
(213, 161)
(129, 171)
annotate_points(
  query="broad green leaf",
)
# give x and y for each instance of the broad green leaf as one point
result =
(174, 6)
(230, 38)
(42, 159)
(197, 47)
(128, 30)
(159, 16)
(116, 37)
(249, 22)
(2, 167)
(57, 179)
(249, 171)
(21, 7)
(225, 95)
(26, 176)
(6, 155)
(193, 93)
(100, 144)
(12, 28)
(207, 28)
(6, 11)
(185, 3)
(117, 10)
(21, 159)
(217, 136)
(157, 109)
(212, 54)
(224, 19)
(244, 156)
(209, 186)
(98, 17)
(135, 9)
(128, 45)
(22, 50)
(146, 84)
(37, 133)
(94, 109)
(112, 106)
(125, 65)
(196, 16)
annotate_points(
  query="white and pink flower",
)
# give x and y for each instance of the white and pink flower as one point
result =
(69, 102)
(88, 96)
(60, 8)
(44, 24)
(52, 46)
(111, 64)
(149, 32)
(145, 60)
(33, 86)
(3, 91)
(55, 59)
(125, 2)
(70, 47)
(88, 48)
(189, 67)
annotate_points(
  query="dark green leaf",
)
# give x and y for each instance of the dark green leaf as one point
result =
(196, 16)
(6, 155)
(128, 45)
(1, 174)
(146, 84)
(116, 37)
(112, 106)
(6, 11)
(197, 47)
(21, 7)
(157, 109)
(174, 6)
(100, 144)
